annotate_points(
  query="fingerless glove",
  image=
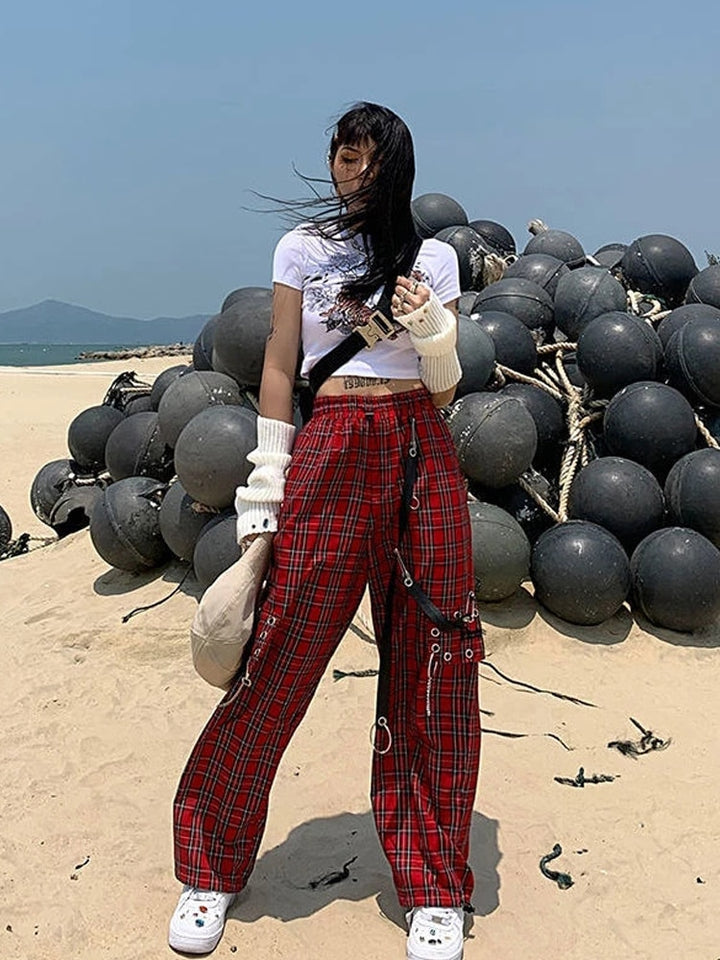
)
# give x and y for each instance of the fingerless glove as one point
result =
(433, 332)
(258, 503)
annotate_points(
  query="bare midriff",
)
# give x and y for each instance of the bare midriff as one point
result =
(366, 386)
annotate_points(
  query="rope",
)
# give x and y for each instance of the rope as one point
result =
(538, 498)
(705, 433)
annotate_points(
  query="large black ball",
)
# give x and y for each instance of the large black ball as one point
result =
(471, 251)
(541, 268)
(705, 287)
(476, 353)
(523, 299)
(203, 348)
(496, 235)
(50, 482)
(659, 265)
(580, 571)
(240, 334)
(584, 294)
(545, 410)
(216, 549)
(180, 523)
(495, 437)
(141, 403)
(556, 243)
(189, 395)
(88, 434)
(501, 552)
(616, 349)
(514, 344)
(650, 423)
(433, 212)
(125, 525)
(163, 381)
(5, 530)
(211, 454)
(74, 507)
(692, 492)
(693, 360)
(610, 254)
(136, 448)
(619, 495)
(676, 579)
(678, 317)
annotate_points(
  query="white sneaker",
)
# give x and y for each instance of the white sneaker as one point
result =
(199, 919)
(436, 933)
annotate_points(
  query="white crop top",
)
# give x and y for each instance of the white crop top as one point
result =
(319, 268)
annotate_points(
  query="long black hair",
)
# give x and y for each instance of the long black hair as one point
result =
(379, 210)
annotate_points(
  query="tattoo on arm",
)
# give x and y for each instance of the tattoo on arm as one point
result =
(350, 382)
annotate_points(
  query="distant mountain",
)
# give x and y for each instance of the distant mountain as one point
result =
(53, 321)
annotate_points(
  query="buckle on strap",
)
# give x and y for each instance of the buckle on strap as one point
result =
(377, 327)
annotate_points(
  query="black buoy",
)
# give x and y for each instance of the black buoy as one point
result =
(88, 434)
(610, 255)
(659, 265)
(471, 251)
(163, 381)
(616, 349)
(692, 493)
(619, 495)
(580, 571)
(5, 530)
(239, 337)
(216, 549)
(136, 448)
(203, 348)
(705, 287)
(584, 294)
(556, 243)
(125, 525)
(678, 317)
(138, 404)
(547, 413)
(516, 501)
(514, 344)
(74, 508)
(693, 360)
(650, 423)
(541, 268)
(496, 235)
(211, 454)
(49, 484)
(495, 437)
(523, 299)
(501, 552)
(433, 212)
(476, 353)
(189, 395)
(180, 522)
(676, 579)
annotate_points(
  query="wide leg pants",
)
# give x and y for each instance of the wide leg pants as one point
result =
(337, 532)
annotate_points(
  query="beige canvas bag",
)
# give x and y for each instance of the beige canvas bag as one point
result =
(225, 615)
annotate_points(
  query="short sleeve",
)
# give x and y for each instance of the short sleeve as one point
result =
(289, 261)
(443, 268)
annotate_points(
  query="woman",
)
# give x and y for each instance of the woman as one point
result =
(371, 493)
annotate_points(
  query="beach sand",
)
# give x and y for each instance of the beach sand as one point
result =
(98, 716)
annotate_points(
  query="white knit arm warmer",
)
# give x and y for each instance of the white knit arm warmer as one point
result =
(433, 333)
(258, 504)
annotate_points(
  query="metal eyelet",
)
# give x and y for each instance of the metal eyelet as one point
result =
(434, 632)
(271, 621)
(447, 656)
(469, 653)
(435, 648)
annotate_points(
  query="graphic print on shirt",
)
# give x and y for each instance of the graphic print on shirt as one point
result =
(325, 297)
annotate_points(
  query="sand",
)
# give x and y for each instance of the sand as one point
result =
(98, 717)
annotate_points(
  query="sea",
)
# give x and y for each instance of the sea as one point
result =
(48, 354)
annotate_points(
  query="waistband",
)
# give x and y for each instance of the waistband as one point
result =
(385, 402)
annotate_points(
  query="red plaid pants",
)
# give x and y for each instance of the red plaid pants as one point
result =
(337, 532)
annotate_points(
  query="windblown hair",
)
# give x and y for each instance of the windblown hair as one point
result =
(379, 210)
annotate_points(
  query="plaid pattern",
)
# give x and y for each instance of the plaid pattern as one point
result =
(337, 530)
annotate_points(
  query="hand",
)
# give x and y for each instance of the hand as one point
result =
(247, 540)
(409, 295)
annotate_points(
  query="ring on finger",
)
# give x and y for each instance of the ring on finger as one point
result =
(414, 286)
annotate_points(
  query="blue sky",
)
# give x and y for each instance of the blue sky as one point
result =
(134, 132)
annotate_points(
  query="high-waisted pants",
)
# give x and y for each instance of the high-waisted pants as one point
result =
(337, 532)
